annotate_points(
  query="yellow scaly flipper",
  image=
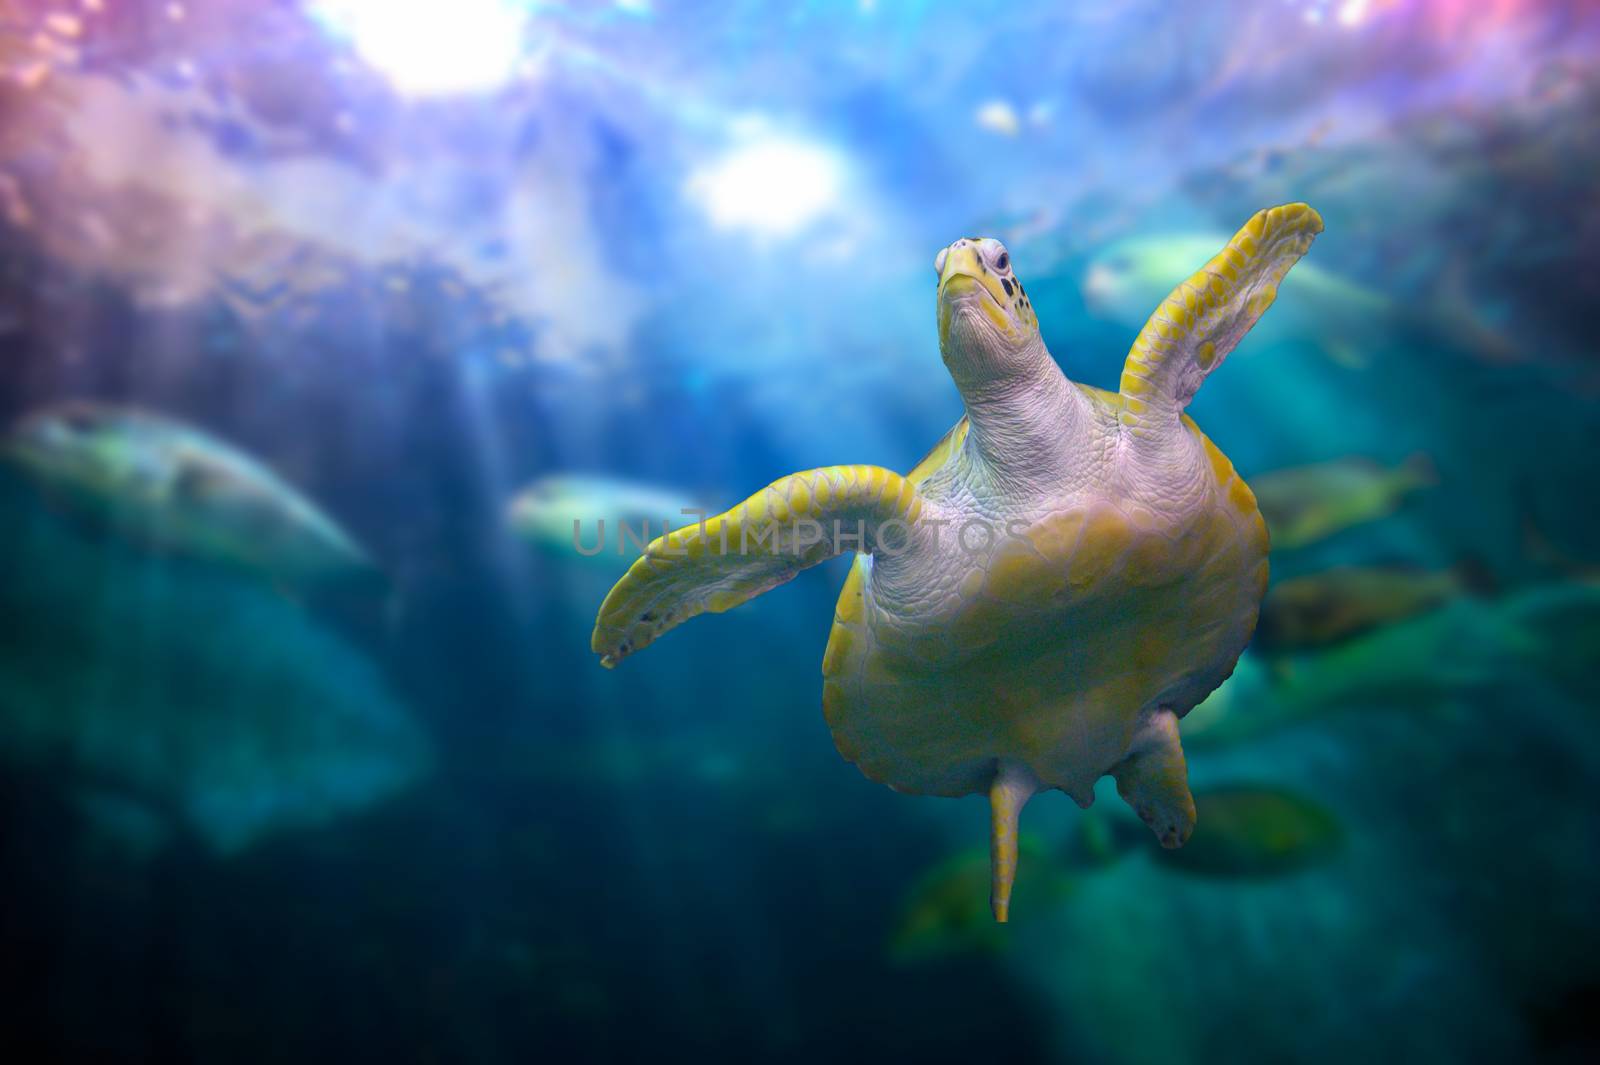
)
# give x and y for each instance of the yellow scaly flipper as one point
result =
(794, 523)
(1206, 316)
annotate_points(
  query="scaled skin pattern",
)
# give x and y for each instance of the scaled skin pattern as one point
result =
(1044, 596)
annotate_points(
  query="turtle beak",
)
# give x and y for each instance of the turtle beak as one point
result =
(964, 282)
(961, 270)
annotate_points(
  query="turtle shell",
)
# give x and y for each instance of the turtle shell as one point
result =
(1052, 644)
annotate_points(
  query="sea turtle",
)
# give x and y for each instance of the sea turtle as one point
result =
(1061, 579)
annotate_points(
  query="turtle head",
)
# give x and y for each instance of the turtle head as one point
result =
(987, 327)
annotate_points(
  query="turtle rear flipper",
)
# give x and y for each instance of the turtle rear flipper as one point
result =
(1154, 779)
(1206, 316)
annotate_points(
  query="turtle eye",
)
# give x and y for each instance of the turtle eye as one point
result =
(1003, 262)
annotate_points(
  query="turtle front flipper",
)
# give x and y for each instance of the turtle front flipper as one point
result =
(1206, 316)
(1154, 779)
(794, 523)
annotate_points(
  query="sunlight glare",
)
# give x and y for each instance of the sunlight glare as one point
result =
(431, 47)
(775, 186)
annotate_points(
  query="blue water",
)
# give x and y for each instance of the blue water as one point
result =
(416, 257)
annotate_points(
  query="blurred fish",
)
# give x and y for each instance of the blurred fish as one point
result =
(174, 489)
(946, 913)
(1418, 664)
(1240, 696)
(155, 695)
(1241, 831)
(573, 514)
(1125, 278)
(1305, 504)
(1565, 613)
(1564, 620)
(1321, 609)
(1247, 832)
(1128, 277)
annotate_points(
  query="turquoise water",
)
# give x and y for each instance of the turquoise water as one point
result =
(350, 309)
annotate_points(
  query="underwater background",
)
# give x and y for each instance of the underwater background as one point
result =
(321, 321)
